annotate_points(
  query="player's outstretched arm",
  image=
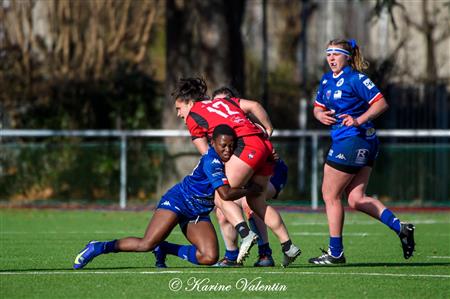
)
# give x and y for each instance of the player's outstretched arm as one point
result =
(229, 194)
(201, 144)
(255, 108)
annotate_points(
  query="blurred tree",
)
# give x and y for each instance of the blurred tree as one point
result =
(77, 64)
(203, 40)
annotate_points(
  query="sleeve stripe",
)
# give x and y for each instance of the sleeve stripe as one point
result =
(317, 104)
(376, 98)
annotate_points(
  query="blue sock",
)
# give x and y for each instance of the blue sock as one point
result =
(336, 246)
(187, 252)
(254, 228)
(170, 248)
(231, 254)
(107, 247)
(264, 249)
(388, 218)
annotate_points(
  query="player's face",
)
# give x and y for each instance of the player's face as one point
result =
(337, 62)
(183, 109)
(224, 146)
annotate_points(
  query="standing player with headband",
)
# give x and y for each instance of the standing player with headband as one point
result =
(348, 101)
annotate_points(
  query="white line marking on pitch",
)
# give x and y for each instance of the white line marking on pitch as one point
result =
(218, 272)
(368, 222)
(438, 257)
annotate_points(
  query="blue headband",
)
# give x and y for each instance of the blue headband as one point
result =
(338, 50)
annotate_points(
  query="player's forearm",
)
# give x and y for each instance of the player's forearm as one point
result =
(316, 112)
(229, 194)
(375, 110)
(258, 113)
(201, 144)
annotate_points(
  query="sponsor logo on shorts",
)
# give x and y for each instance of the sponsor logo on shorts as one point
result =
(341, 156)
(251, 155)
(362, 155)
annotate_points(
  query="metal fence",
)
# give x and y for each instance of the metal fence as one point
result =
(312, 137)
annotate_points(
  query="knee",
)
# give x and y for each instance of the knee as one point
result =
(208, 257)
(329, 198)
(353, 201)
(221, 218)
(145, 246)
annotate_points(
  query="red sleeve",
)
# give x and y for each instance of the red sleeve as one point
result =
(195, 129)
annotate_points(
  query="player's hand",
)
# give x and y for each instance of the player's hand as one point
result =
(348, 120)
(326, 117)
(269, 132)
(275, 155)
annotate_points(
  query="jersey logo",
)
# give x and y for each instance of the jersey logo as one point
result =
(330, 153)
(360, 76)
(337, 94)
(324, 82)
(216, 161)
(368, 83)
(370, 132)
(166, 203)
(340, 82)
(328, 94)
(341, 157)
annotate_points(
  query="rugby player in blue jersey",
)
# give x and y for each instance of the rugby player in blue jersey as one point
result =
(187, 204)
(348, 101)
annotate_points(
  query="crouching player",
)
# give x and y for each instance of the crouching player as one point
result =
(187, 204)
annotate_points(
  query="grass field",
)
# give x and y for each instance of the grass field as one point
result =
(39, 246)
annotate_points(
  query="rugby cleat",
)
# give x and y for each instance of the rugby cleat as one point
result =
(246, 244)
(406, 236)
(227, 263)
(290, 255)
(264, 260)
(160, 257)
(86, 255)
(327, 259)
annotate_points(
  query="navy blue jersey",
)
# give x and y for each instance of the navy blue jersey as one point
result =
(352, 93)
(194, 195)
(207, 176)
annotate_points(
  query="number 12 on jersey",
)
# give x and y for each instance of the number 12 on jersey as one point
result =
(221, 109)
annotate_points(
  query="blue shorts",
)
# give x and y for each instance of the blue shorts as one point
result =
(352, 153)
(174, 201)
(279, 177)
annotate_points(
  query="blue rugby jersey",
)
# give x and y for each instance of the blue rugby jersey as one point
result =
(198, 187)
(352, 93)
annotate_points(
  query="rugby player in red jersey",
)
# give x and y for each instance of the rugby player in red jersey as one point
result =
(251, 162)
